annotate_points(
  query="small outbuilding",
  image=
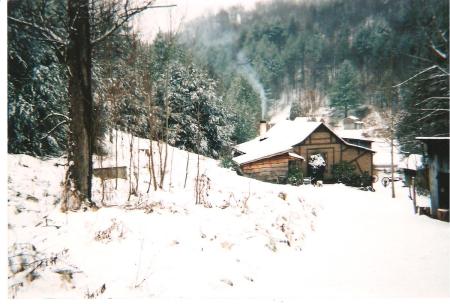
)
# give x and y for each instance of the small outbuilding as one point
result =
(352, 123)
(436, 157)
(411, 165)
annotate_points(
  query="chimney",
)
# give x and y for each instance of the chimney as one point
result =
(262, 127)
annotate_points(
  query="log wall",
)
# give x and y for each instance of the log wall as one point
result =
(268, 169)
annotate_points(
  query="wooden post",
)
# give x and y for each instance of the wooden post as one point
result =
(413, 183)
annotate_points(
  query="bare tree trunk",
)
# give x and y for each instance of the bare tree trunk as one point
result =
(137, 176)
(392, 135)
(102, 181)
(160, 155)
(171, 167)
(79, 62)
(117, 165)
(197, 179)
(152, 166)
(392, 153)
(163, 164)
(164, 167)
(187, 170)
(130, 185)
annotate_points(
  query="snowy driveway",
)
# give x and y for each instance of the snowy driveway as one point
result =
(368, 244)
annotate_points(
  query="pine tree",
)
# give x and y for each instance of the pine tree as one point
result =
(344, 94)
(245, 111)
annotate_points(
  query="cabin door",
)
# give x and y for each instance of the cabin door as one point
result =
(317, 173)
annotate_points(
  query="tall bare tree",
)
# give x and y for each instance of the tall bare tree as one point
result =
(74, 42)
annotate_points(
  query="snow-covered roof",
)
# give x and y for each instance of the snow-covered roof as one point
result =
(411, 162)
(353, 134)
(352, 118)
(278, 140)
(295, 155)
(433, 138)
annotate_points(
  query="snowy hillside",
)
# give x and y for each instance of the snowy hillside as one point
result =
(156, 244)
(248, 239)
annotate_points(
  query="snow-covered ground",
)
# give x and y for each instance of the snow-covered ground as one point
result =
(248, 239)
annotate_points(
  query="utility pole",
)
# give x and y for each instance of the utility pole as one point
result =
(392, 149)
(392, 134)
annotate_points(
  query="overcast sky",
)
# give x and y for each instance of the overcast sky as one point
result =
(149, 22)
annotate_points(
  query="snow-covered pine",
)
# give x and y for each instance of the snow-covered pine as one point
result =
(316, 161)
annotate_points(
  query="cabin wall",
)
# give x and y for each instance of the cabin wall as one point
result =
(438, 162)
(334, 151)
(360, 158)
(269, 169)
(320, 141)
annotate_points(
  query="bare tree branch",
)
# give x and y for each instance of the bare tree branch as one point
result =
(429, 115)
(418, 57)
(46, 32)
(417, 74)
(432, 98)
(438, 52)
(435, 109)
(442, 34)
(53, 129)
(126, 16)
(57, 115)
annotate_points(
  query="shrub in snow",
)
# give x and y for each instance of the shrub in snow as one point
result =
(343, 172)
(26, 264)
(295, 176)
(204, 188)
(116, 230)
(95, 293)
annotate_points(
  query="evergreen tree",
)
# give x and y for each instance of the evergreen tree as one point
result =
(344, 94)
(425, 109)
(244, 103)
(188, 112)
(37, 114)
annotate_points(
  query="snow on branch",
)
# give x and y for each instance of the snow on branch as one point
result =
(438, 52)
(433, 112)
(53, 129)
(316, 161)
(436, 109)
(443, 33)
(432, 98)
(421, 72)
(47, 33)
(52, 114)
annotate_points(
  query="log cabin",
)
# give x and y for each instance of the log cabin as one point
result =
(288, 144)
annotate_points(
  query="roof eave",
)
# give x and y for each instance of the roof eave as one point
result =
(264, 157)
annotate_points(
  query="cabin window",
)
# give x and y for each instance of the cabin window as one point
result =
(293, 164)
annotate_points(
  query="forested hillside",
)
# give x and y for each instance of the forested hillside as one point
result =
(150, 90)
(347, 53)
(208, 86)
